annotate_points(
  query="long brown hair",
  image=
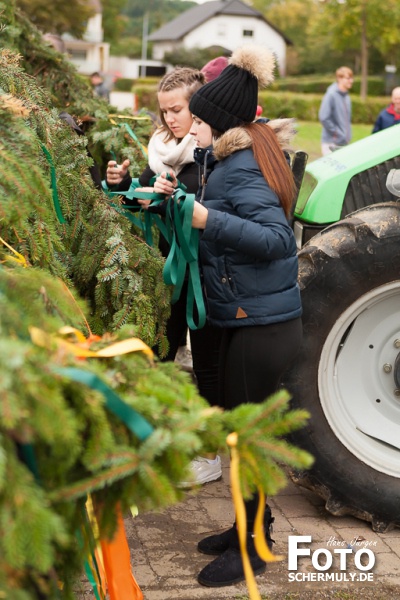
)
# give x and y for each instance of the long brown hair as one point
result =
(272, 163)
(190, 80)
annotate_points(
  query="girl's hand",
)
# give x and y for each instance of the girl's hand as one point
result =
(115, 173)
(200, 215)
(162, 185)
(143, 201)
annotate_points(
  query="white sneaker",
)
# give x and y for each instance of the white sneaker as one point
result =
(203, 471)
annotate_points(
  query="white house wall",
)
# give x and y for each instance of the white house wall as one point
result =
(227, 31)
(161, 48)
(122, 66)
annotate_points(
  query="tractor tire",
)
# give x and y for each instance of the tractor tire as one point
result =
(347, 374)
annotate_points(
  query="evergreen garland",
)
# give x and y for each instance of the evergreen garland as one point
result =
(70, 259)
(59, 442)
(96, 249)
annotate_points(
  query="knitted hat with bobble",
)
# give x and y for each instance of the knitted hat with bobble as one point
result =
(214, 68)
(231, 99)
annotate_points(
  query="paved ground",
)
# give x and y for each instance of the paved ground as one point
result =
(165, 561)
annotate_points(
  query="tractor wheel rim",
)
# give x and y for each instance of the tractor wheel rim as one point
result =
(357, 387)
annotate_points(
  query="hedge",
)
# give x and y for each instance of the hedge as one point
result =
(303, 107)
(318, 84)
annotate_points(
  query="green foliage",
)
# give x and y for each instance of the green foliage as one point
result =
(59, 16)
(146, 95)
(96, 250)
(113, 20)
(123, 84)
(159, 12)
(317, 84)
(195, 57)
(262, 446)
(86, 268)
(59, 440)
(129, 46)
(305, 107)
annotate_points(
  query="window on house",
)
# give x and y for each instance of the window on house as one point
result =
(77, 54)
(248, 33)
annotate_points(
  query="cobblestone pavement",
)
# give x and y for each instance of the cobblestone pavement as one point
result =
(165, 561)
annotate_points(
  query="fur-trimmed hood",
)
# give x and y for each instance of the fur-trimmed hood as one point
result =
(238, 138)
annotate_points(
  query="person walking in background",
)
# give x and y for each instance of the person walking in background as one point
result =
(248, 259)
(99, 87)
(391, 114)
(171, 147)
(335, 112)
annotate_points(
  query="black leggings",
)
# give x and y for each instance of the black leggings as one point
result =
(204, 344)
(252, 362)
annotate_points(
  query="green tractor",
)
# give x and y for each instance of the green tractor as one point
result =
(347, 375)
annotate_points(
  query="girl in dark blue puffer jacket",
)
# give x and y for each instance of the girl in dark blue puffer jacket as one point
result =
(248, 259)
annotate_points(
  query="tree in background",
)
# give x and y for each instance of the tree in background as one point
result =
(364, 34)
(366, 26)
(158, 13)
(58, 16)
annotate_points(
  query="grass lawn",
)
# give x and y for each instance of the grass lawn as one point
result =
(308, 137)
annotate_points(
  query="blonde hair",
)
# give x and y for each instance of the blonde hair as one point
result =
(190, 80)
(342, 72)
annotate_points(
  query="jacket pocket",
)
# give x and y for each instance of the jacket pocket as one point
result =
(228, 280)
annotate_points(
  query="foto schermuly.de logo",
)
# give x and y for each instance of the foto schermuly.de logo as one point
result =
(352, 561)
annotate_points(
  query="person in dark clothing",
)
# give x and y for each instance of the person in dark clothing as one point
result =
(99, 87)
(248, 260)
(390, 115)
(171, 147)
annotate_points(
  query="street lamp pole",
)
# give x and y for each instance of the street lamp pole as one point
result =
(145, 33)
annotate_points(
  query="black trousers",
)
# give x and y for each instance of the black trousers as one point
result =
(252, 362)
(205, 346)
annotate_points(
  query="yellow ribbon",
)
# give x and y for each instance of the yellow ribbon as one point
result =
(135, 118)
(99, 573)
(45, 340)
(259, 540)
(20, 259)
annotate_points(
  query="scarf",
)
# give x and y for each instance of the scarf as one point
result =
(391, 111)
(170, 155)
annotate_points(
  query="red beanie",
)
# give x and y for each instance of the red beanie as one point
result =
(214, 68)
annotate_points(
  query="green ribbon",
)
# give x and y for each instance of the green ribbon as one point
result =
(182, 238)
(141, 218)
(56, 200)
(91, 543)
(130, 417)
(183, 255)
(134, 137)
(27, 453)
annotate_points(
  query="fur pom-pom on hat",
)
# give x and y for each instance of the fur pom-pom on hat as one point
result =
(257, 60)
(231, 99)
